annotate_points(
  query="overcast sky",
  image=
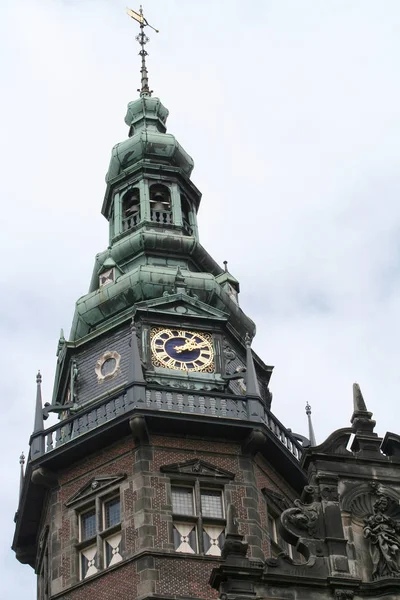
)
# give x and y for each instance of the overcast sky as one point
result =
(291, 111)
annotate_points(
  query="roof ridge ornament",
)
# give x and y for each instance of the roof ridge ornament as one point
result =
(143, 39)
(311, 433)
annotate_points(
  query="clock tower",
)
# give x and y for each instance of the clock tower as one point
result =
(164, 425)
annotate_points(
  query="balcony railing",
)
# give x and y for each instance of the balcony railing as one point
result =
(219, 406)
(161, 216)
(130, 221)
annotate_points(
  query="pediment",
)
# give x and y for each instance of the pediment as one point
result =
(94, 486)
(197, 467)
(181, 305)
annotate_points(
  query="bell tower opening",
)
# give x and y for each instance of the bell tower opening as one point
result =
(130, 209)
(160, 204)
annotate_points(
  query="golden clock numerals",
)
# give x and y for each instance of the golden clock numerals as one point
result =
(167, 332)
(182, 350)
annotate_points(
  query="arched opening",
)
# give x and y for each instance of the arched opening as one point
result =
(185, 206)
(130, 209)
(160, 204)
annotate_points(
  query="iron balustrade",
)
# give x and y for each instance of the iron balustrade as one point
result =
(217, 405)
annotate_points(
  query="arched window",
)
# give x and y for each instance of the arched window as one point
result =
(160, 204)
(185, 206)
(130, 209)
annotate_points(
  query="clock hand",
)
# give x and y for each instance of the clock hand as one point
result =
(190, 345)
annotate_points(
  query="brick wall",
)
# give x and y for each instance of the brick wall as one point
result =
(152, 566)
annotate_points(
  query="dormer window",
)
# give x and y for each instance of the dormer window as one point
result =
(107, 277)
(160, 204)
(130, 209)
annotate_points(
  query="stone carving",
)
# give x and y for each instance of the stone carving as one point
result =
(383, 533)
(304, 517)
(330, 493)
(344, 594)
(229, 354)
(197, 467)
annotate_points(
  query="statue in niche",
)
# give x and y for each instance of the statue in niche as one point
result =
(383, 533)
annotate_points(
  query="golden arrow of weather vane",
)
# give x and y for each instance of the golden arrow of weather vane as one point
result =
(138, 16)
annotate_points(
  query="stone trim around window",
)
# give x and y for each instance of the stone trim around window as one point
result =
(100, 536)
(108, 366)
(198, 513)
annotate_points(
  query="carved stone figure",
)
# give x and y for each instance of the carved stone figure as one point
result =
(304, 517)
(383, 533)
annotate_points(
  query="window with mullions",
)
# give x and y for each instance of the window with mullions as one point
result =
(99, 536)
(198, 519)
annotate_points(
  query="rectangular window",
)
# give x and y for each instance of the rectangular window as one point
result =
(88, 524)
(99, 536)
(276, 538)
(182, 501)
(112, 513)
(204, 530)
(211, 504)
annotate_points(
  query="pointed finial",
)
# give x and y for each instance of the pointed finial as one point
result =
(226, 265)
(61, 342)
(252, 387)
(311, 434)
(37, 447)
(365, 441)
(361, 418)
(143, 40)
(38, 410)
(358, 399)
(21, 476)
(231, 520)
(135, 366)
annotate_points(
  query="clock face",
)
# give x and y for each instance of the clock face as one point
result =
(182, 350)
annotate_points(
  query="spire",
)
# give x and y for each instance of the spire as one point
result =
(311, 434)
(21, 476)
(143, 39)
(252, 387)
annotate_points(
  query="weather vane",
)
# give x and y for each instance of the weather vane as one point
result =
(142, 39)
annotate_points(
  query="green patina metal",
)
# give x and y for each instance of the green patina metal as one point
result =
(146, 250)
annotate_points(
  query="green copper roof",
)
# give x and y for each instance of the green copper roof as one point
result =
(148, 140)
